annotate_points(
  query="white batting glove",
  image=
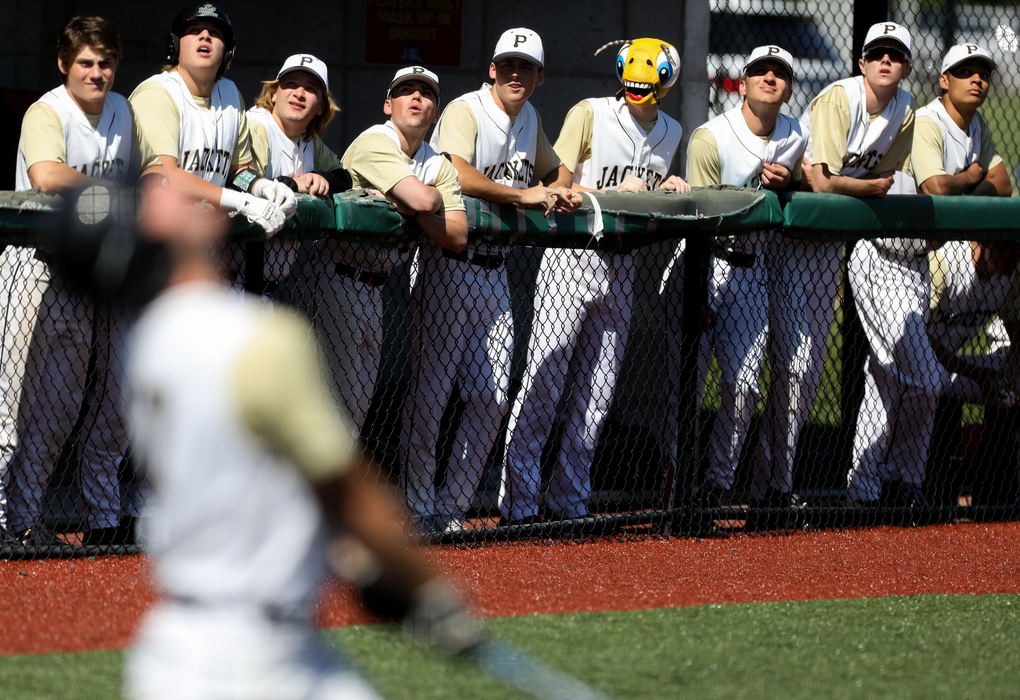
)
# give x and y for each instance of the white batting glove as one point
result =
(277, 193)
(257, 210)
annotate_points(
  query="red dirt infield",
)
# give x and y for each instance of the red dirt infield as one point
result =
(81, 604)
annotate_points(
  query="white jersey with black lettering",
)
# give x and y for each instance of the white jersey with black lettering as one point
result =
(505, 150)
(286, 156)
(960, 149)
(208, 137)
(620, 147)
(869, 139)
(103, 151)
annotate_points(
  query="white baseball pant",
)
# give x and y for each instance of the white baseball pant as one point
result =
(463, 337)
(583, 305)
(739, 297)
(803, 283)
(348, 317)
(193, 652)
(903, 376)
(46, 347)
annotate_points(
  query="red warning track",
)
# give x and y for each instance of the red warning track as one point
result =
(74, 605)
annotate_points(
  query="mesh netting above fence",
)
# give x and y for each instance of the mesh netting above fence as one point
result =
(688, 369)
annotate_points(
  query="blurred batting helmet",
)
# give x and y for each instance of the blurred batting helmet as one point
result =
(93, 242)
(201, 11)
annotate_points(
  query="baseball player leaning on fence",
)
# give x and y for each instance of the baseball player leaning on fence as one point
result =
(953, 153)
(859, 134)
(75, 133)
(195, 121)
(968, 277)
(394, 159)
(226, 392)
(287, 125)
(749, 146)
(463, 326)
(583, 299)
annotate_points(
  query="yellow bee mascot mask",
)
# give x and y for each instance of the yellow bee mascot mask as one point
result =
(646, 67)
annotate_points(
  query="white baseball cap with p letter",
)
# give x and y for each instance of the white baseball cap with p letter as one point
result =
(522, 43)
(414, 73)
(770, 52)
(308, 62)
(965, 52)
(889, 35)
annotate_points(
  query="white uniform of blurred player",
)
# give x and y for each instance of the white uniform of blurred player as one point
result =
(236, 618)
(859, 134)
(463, 321)
(231, 394)
(733, 149)
(75, 132)
(891, 283)
(583, 299)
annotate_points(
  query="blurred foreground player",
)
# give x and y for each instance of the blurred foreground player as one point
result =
(228, 393)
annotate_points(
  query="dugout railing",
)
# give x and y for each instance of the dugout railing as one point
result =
(639, 486)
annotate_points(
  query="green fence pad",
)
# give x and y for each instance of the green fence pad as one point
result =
(976, 217)
(628, 219)
(23, 214)
(836, 217)
(362, 217)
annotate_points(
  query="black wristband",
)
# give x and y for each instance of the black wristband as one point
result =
(339, 179)
(288, 181)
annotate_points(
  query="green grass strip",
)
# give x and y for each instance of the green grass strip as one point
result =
(903, 647)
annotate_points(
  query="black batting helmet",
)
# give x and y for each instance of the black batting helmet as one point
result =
(204, 11)
(93, 241)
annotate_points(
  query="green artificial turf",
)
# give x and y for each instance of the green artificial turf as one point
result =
(903, 647)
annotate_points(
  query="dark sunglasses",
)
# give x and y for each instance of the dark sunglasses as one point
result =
(964, 71)
(876, 54)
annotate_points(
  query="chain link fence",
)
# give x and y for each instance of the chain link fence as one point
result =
(556, 384)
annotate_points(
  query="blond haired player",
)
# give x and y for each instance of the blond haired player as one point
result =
(953, 153)
(753, 145)
(394, 159)
(860, 132)
(195, 120)
(583, 299)
(75, 133)
(463, 323)
(229, 393)
(287, 126)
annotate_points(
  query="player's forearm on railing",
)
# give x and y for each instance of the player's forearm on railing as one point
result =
(995, 183)
(824, 181)
(446, 229)
(474, 183)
